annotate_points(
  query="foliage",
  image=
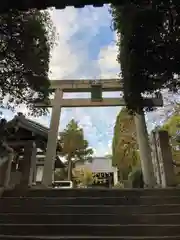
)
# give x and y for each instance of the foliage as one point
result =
(60, 174)
(136, 178)
(173, 127)
(124, 146)
(149, 46)
(74, 146)
(26, 39)
(84, 176)
(119, 185)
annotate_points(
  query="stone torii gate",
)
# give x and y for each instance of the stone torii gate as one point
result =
(95, 86)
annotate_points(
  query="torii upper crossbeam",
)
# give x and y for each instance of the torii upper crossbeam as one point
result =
(106, 85)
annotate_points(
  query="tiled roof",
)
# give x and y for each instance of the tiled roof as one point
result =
(35, 127)
(30, 125)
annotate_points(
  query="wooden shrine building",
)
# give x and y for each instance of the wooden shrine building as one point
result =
(22, 150)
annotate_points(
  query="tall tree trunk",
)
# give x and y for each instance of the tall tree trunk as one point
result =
(69, 168)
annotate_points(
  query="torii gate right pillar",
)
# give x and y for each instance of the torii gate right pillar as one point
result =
(144, 150)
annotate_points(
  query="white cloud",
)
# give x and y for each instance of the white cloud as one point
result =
(109, 67)
(71, 59)
(70, 56)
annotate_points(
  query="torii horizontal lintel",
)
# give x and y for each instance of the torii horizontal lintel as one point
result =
(86, 85)
(86, 102)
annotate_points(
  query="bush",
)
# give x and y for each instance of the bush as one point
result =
(84, 177)
(136, 178)
(119, 185)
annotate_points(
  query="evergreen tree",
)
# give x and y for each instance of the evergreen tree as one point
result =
(74, 146)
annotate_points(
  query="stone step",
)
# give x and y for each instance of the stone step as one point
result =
(11, 237)
(91, 230)
(131, 200)
(90, 219)
(92, 209)
(92, 192)
(102, 214)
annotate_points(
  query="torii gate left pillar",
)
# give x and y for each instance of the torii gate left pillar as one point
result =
(52, 139)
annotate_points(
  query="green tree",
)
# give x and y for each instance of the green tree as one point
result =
(60, 174)
(124, 146)
(26, 39)
(74, 146)
(173, 127)
(84, 176)
(149, 46)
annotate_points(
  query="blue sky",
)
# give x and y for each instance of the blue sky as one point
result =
(86, 49)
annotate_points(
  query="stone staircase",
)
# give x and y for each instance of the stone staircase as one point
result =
(90, 214)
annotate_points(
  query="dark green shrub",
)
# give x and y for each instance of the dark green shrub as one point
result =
(136, 178)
